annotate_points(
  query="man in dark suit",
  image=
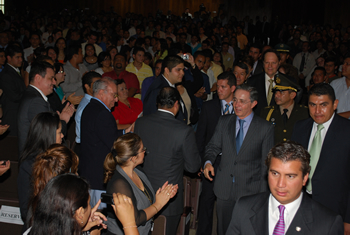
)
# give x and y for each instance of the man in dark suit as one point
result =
(244, 140)
(326, 136)
(264, 82)
(13, 88)
(255, 53)
(286, 210)
(34, 100)
(98, 132)
(209, 117)
(172, 149)
(171, 74)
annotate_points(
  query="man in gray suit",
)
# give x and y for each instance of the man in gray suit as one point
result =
(172, 149)
(286, 210)
(244, 139)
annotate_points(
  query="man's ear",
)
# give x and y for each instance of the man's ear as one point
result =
(166, 71)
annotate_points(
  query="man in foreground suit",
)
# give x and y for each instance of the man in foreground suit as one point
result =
(326, 136)
(289, 211)
(244, 139)
(172, 149)
(212, 110)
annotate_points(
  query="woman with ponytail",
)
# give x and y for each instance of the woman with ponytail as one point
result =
(123, 177)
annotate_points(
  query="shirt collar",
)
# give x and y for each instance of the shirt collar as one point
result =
(290, 108)
(101, 103)
(326, 124)
(17, 69)
(41, 93)
(290, 208)
(166, 111)
(170, 84)
(247, 119)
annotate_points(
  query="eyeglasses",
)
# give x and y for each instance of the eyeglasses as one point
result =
(142, 151)
(62, 71)
(235, 100)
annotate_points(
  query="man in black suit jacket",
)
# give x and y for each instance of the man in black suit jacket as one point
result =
(172, 149)
(286, 209)
(172, 73)
(329, 181)
(261, 82)
(241, 171)
(255, 53)
(211, 112)
(13, 88)
(34, 100)
(98, 132)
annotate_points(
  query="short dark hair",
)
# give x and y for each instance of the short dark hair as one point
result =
(137, 49)
(87, 78)
(171, 62)
(290, 151)
(101, 57)
(34, 33)
(256, 45)
(198, 53)
(57, 67)
(56, 31)
(322, 89)
(332, 59)
(253, 93)
(40, 68)
(230, 77)
(167, 97)
(71, 51)
(321, 69)
(11, 50)
(242, 66)
(272, 51)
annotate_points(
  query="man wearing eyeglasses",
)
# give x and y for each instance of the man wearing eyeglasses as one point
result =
(244, 139)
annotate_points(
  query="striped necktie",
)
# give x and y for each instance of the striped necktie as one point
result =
(227, 109)
(280, 226)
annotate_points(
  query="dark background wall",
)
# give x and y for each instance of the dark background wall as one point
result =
(318, 11)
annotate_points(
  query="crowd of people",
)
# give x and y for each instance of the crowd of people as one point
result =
(152, 98)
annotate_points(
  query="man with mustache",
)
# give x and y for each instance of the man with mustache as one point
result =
(286, 112)
(119, 72)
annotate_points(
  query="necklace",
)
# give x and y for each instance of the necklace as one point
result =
(145, 192)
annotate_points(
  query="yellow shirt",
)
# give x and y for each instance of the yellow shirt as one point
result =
(227, 60)
(217, 69)
(141, 74)
(242, 41)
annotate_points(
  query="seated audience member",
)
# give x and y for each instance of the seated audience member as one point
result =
(331, 66)
(128, 108)
(241, 72)
(45, 129)
(74, 69)
(56, 160)
(60, 47)
(52, 52)
(148, 81)
(318, 76)
(217, 64)
(194, 44)
(138, 67)
(63, 208)
(123, 177)
(112, 51)
(104, 63)
(227, 57)
(92, 38)
(148, 59)
(119, 72)
(28, 53)
(162, 47)
(278, 212)
(90, 57)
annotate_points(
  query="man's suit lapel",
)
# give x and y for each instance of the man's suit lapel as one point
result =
(34, 91)
(260, 219)
(231, 129)
(303, 219)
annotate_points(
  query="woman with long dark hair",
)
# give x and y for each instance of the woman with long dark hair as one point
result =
(104, 63)
(90, 57)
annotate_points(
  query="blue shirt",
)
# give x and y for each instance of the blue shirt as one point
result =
(84, 101)
(223, 107)
(246, 124)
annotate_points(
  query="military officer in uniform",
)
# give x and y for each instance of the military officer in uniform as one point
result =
(287, 112)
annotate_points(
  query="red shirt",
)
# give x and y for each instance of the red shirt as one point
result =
(127, 115)
(130, 79)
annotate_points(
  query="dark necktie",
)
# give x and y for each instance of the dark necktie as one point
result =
(240, 135)
(302, 64)
(284, 116)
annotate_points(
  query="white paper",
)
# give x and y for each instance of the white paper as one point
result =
(11, 215)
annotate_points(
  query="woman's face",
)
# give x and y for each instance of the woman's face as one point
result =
(61, 44)
(2, 58)
(107, 62)
(216, 57)
(51, 53)
(122, 91)
(89, 51)
(113, 52)
(59, 135)
(140, 155)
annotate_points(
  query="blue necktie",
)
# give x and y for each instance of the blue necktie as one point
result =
(240, 135)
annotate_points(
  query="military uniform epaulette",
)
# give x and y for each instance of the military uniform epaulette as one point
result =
(303, 106)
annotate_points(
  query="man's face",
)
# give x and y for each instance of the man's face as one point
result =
(80, 56)
(126, 34)
(176, 74)
(318, 76)
(296, 35)
(183, 39)
(241, 75)
(58, 35)
(242, 105)
(284, 98)
(158, 69)
(92, 39)
(4, 39)
(346, 67)
(45, 84)
(321, 108)
(225, 48)
(224, 90)
(199, 61)
(255, 53)
(305, 47)
(119, 62)
(286, 180)
(16, 60)
(90, 89)
(34, 41)
(139, 57)
(110, 95)
(284, 57)
(330, 67)
(207, 63)
(271, 64)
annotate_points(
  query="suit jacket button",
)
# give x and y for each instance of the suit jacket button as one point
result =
(231, 175)
(284, 131)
